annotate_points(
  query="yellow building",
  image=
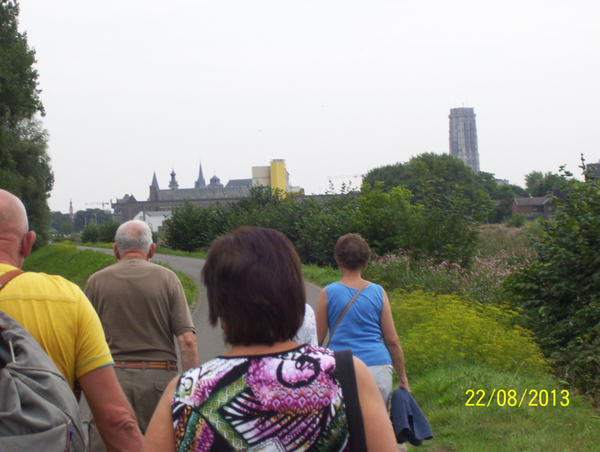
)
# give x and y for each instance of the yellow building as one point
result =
(274, 176)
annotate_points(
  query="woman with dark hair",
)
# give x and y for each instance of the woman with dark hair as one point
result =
(267, 393)
(358, 316)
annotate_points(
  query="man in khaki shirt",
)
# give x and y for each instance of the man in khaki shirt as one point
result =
(142, 307)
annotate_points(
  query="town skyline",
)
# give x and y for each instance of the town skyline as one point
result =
(333, 88)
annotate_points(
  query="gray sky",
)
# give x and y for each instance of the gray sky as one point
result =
(335, 88)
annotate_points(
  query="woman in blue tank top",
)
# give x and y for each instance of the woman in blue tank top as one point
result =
(366, 326)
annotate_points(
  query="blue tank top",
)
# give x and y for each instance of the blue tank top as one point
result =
(360, 329)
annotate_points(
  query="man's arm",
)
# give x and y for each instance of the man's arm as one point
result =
(188, 350)
(113, 415)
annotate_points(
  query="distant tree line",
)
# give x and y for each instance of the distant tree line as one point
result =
(388, 221)
(445, 174)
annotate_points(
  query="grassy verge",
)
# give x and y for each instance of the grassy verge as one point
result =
(78, 265)
(67, 261)
(168, 251)
(550, 419)
(321, 276)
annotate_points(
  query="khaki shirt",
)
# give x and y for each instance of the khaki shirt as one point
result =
(141, 306)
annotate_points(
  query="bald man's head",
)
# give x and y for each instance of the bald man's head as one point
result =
(132, 236)
(16, 241)
(13, 216)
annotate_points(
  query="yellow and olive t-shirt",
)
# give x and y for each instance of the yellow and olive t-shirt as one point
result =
(60, 317)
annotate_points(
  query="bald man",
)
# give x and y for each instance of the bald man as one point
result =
(142, 307)
(62, 320)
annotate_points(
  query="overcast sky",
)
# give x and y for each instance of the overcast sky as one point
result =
(335, 88)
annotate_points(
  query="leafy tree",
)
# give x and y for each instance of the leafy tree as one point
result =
(84, 217)
(560, 291)
(186, 229)
(504, 197)
(66, 228)
(19, 94)
(24, 164)
(388, 222)
(445, 175)
(62, 223)
(539, 184)
(57, 218)
(91, 233)
(107, 231)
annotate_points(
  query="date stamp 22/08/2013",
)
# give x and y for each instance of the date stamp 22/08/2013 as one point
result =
(512, 398)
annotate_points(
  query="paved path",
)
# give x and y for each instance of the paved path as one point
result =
(210, 340)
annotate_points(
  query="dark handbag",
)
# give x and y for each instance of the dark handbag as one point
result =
(347, 377)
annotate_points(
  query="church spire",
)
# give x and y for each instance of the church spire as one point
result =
(200, 183)
(173, 184)
(155, 181)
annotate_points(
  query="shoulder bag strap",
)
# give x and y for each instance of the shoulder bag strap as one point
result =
(8, 276)
(344, 313)
(346, 375)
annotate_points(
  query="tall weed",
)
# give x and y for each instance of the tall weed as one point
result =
(481, 281)
(443, 330)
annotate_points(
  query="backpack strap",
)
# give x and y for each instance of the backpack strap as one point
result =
(8, 276)
(344, 313)
(346, 375)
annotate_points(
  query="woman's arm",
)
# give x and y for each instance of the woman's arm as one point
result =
(160, 435)
(379, 432)
(321, 314)
(392, 342)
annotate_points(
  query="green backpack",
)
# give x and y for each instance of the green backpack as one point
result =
(38, 410)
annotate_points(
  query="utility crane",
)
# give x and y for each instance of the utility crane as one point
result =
(346, 176)
(98, 204)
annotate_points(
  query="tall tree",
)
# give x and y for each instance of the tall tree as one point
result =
(539, 184)
(24, 163)
(437, 178)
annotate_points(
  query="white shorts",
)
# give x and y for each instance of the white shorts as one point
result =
(383, 377)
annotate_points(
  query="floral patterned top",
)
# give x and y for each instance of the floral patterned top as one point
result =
(289, 401)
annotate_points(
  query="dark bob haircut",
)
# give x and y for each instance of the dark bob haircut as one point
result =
(254, 285)
(352, 252)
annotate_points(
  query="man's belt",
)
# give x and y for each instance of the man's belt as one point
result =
(152, 365)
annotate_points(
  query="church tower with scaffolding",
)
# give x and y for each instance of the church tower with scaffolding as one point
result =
(463, 137)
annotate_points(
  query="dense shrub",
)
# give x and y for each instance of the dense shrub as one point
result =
(107, 231)
(91, 233)
(560, 291)
(517, 220)
(443, 330)
(188, 229)
(388, 221)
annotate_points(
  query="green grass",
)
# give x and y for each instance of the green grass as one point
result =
(167, 251)
(321, 276)
(170, 252)
(78, 265)
(443, 394)
(67, 261)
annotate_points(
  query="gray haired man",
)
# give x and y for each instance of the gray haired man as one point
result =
(142, 307)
